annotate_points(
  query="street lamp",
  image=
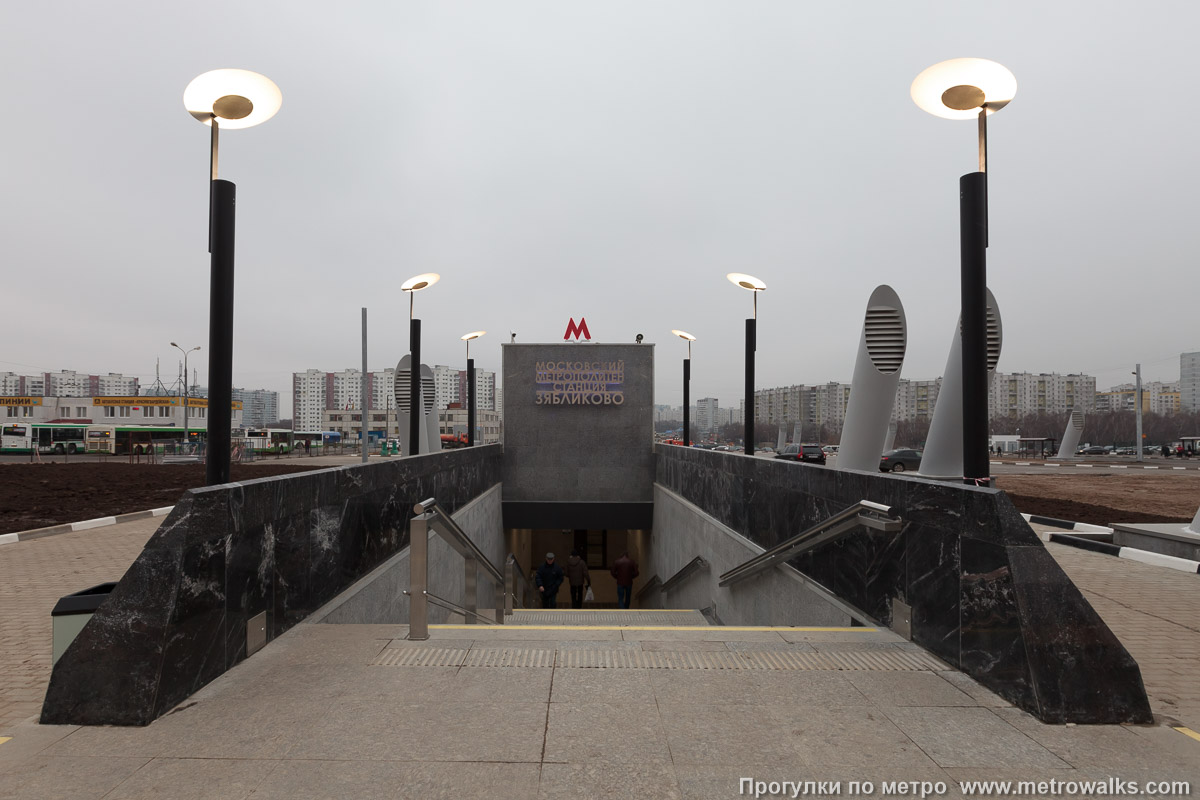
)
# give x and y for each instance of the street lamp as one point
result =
(185, 387)
(687, 387)
(231, 99)
(471, 387)
(971, 88)
(754, 286)
(412, 286)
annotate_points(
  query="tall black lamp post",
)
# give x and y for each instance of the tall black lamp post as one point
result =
(229, 99)
(471, 386)
(753, 285)
(412, 286)
(971, 88)
(687, 388)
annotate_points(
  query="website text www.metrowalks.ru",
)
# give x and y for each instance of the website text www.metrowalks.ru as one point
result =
(1108, 787)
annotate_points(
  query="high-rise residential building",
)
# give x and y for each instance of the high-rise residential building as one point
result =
(1015, 394)
(68, 383)
(260, 407)
(315, 392)
(1157, 398)
(445, 386)
(1189, 381)
(915, 400)
(706, 415)
(308, 399)
(485, 389)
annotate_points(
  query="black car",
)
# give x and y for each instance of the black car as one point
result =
(1094, 450)
(803, 452)
(900, 460)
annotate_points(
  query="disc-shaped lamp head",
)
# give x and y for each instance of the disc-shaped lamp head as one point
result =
(958, 88)
(466, 337)
(420, 282)
(748, 282)
(237, 97)
(683, 335)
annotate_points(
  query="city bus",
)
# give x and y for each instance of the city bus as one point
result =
(122, 440)
(49, 438)
(271, 440)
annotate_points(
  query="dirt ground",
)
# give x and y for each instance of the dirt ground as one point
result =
(39, 495)
(1106, 498)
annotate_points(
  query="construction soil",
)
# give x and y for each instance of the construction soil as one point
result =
(1106, 498)
(39, 495)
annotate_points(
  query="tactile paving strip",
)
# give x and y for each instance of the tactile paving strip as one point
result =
(576, 658)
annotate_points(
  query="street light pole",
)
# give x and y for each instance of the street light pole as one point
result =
(971, 89)
(753, 285)
(185, 388)
(471, 387)
(412, 286)
(687, 387)
(230, 99)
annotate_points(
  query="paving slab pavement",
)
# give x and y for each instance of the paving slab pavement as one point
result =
(34, 574)
(1155, 612)
(321, 714)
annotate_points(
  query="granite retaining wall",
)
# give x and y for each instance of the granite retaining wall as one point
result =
(985, 595)
(282, 545)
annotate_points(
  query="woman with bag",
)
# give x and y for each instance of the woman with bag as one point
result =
(577, 575)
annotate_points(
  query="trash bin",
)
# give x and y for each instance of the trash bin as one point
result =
(72, 612)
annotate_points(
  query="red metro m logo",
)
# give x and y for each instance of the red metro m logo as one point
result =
(577, 330)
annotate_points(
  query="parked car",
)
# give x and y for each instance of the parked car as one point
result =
(1095, 450)
(900, 460)
(830, 449)
(803, 452)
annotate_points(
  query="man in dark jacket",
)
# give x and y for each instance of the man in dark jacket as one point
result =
(578, 577)
(548, 578)
(624, 569)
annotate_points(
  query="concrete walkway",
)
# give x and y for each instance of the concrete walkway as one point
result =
(329, 711)
(616, 709)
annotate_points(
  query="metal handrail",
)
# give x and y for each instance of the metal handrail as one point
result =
(684, 572)
(513, 571)
(655, 582)
(457, 538)
(429, 514)
(864, 513)
(446, 604)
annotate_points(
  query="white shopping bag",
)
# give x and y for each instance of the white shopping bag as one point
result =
(588, 597)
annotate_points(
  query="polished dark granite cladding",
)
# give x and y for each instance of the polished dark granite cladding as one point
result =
(283, 545)
(985, 595)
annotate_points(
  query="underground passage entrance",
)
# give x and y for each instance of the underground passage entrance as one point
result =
(596, 550)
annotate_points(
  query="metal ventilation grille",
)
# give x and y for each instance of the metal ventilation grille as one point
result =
(1077, 420)
(427, 391)
(402, 388)
(993, 338)
(884, 329)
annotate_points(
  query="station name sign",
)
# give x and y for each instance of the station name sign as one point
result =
(579, 383)
(20, 401)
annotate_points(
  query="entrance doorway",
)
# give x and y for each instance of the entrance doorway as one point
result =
(598, 549)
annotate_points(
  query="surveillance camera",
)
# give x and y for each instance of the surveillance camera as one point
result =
(639, 338)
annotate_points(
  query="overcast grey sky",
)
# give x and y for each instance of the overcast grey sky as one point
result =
(606, 159)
